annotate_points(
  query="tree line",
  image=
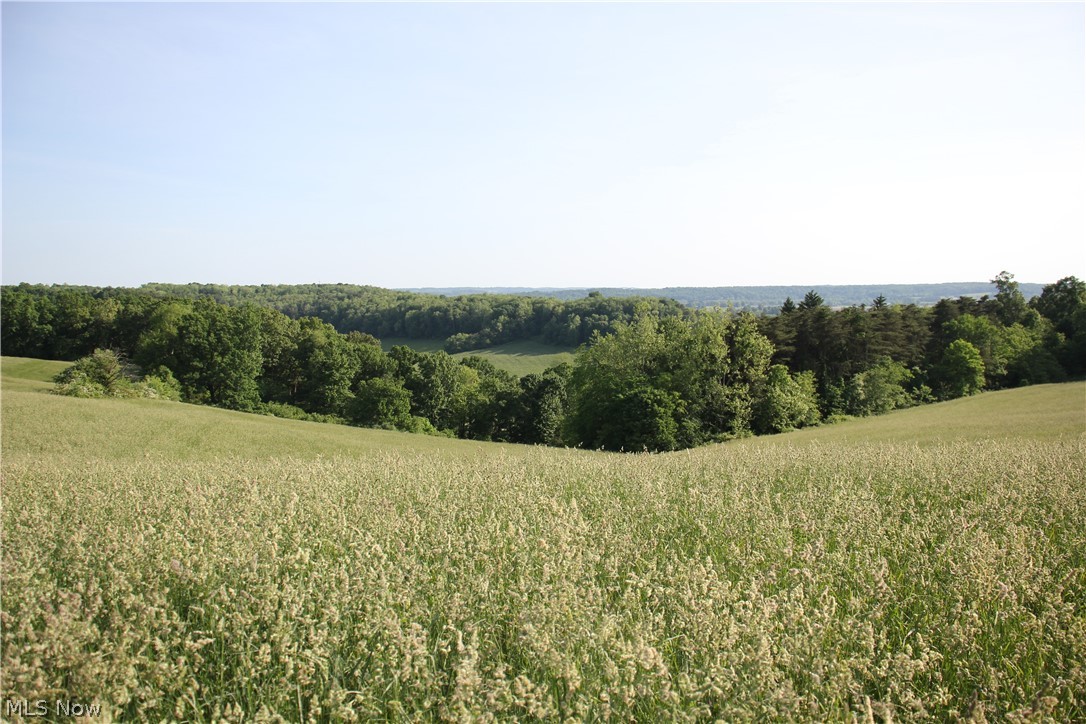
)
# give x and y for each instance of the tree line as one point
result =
(464, 322)
(955, 347)
(759, 299)
(258, 359)
(652, 376)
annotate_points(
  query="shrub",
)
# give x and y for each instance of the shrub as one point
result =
(79, 386)
(293, 412)
(104, 373)
(422, 426)
(161, 384)
(282, 409)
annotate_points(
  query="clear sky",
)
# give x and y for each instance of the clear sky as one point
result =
(647, 145)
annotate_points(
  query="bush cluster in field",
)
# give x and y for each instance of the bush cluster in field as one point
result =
(746, 582)
(105, 373)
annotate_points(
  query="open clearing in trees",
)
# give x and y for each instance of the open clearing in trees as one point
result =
(521, 357)
(171, 561)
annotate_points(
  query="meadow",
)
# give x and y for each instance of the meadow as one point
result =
(521, 357)
(174, 562)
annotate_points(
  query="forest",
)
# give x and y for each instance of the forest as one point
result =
(649, 373)
(464, 322)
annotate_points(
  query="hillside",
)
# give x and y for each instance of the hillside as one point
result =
(37, 422)
(929, 563)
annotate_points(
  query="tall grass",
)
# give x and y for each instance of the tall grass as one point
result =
(839, 577)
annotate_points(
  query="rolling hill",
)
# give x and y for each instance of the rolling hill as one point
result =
(164, 560)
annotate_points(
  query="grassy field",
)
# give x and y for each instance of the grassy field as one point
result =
(521, 358)
(167, 561)
(39, 424)
(21, 373)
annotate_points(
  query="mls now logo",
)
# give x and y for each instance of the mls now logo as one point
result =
(40, 707)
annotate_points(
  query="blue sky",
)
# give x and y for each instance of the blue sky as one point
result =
(409, 145)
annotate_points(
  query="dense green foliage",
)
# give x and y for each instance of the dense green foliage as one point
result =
(105, 373)
(464, 322)
(1019, 342)
(786, 401)
(651, 375)
(180, 563)
(668, 384)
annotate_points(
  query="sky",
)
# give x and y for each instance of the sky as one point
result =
(543, 145)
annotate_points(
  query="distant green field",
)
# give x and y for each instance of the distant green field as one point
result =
(521, 358)
(419, 345)
(20, 371)
(169, 561)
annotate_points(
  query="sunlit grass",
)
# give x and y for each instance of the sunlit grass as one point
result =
(22, 373)
(1038, 412)
(41, 426)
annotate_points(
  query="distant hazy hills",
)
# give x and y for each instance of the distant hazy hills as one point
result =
(765, 297)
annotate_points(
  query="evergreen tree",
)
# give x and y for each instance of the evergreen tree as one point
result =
(811, 300)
